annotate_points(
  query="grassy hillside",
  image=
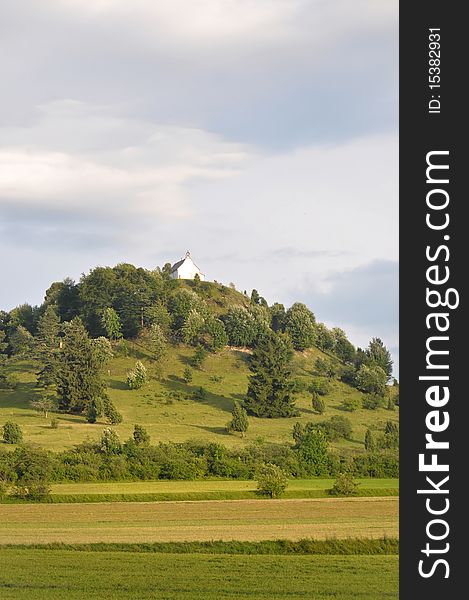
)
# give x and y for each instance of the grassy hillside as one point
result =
(167, 407)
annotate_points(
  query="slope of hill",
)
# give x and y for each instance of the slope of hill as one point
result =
(171, 410)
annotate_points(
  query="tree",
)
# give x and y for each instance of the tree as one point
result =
(110, 412)
(192, 329)
(369, 441)
(344, 485)
(269, 393)
(352, 403)
(239, 421)
(342, 347)
(311, 445)
(141, 436)
(112, 324)
(44, 404)
(371, 380)
(48, 328)
(187, 375)
(137, 377)
(325, 339)
(21, 341)
(240, 326)
(277, 316)
(215, 336)
(157, 342)
(300, 325)
(94, 410)
(271, 481)
(110, 442)
(199, 357)
(379, 356)
(12, 433)
(318, 404)
(78, 370)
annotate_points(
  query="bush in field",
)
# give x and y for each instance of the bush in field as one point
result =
(239, 421)
(370, 443)
(344, 485)
(320, 386)
(12, 433)
(110, 442)
(199, 357)
(318, 404)
(373, 401)
(351, 404)
(271, 481)
(137, 377)
(187, 375)
(141, 436)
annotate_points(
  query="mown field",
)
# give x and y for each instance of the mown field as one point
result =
(169, 412)
(147, 491)
(248, 520)
(63, 575)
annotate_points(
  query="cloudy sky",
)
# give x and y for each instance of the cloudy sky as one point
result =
(259, 134)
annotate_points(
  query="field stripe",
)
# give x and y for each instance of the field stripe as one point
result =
(244, 520)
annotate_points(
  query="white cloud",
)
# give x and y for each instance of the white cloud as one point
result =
(79, 158)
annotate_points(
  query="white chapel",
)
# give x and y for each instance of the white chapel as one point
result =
(186, 269)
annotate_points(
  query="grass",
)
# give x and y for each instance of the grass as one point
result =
(168, 411)
(306, 546)
(62, 575)
(160, 491)
(243, 520)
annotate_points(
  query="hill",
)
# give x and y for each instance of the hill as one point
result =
(168, 410)
(125, 303)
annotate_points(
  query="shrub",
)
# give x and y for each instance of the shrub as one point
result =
(141, 436)
(137, 377)
(200, 394)
(12, 433)
(318, 404)
(271, 481)
(373, 401)
(239, 421)
(199, 357)
(320, 386)
(187, 375)
(110, 442)
(54, 423)
(344, 485)
(351, 404)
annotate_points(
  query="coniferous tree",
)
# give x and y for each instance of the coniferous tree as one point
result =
(112, 324)
(239, 421)
(141, 436)
(369, 441)
(317, 403)
(378, 355)
(270, 393)
(48, 328)
(78, 370)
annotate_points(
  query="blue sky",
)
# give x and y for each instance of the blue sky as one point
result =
(259, 134)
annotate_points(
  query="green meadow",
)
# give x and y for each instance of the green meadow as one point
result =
(63, 575)
(166, 406)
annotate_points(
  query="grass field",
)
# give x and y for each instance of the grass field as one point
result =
(159, 491)
(168, 411)
(62, 575)
(248, 520)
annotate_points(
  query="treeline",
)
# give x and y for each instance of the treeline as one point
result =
(124, 300)
(29, 469)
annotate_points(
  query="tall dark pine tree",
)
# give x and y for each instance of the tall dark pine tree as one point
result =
(78, 370)
(270, 393)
